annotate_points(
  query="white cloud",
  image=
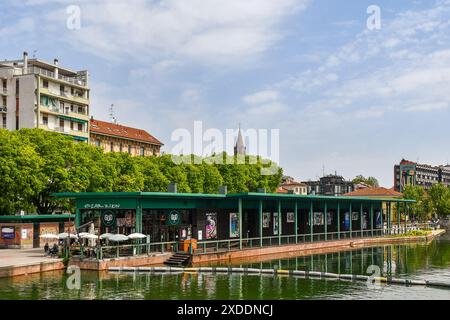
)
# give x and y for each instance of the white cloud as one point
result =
(214, 31)
(261, 97)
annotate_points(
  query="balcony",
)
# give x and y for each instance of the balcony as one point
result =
(59, 112)
(65, 96)
(3, 109)
(78, 81)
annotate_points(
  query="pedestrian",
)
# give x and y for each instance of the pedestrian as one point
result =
(46, 248)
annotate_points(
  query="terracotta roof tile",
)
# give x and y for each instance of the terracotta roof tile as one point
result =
(112, 129)
(375, 192)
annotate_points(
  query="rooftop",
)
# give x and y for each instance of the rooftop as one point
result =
(113, 129)
(375, 192)
(246, 196)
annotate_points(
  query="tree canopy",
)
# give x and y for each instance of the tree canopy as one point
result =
(35, 163)
(430, 203)
(370, 181)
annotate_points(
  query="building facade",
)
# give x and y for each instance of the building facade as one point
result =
(423, 175)
(38, 94)
(112, 137)
(291, 186)
(330, 185)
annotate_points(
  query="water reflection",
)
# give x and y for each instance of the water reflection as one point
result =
(430, 261)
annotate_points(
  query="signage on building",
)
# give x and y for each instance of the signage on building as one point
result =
(8, 233)
(102, 206)
(174, 218)
(108, 218)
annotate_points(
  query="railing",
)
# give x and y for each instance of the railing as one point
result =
(73, 80)
(216, 246)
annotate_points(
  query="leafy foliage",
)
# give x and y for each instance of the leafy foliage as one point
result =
(371, 181)
(35, 163)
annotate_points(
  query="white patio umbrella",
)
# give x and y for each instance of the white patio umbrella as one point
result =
(137, 236)
(118, 238)
(65, 235)
(49, 236)
(83, 234)
(105, 236)
(89, 236)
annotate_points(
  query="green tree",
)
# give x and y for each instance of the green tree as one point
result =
(421, 209)
(371, 181)
(440, 199)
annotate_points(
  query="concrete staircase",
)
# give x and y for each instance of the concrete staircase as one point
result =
(179, 259)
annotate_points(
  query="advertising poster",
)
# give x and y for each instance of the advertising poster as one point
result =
(275, 223)
(266, 219)
(347, 221)
(364, 220)
(329, 218)
(378, 219)
(211, 226)
(290, 217)
(355, 216)
(234, 225)
(318, 219)
(8, 233)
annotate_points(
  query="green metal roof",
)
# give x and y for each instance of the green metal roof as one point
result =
(37, 217)
(249, 195)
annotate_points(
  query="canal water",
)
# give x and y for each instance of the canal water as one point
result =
(409, 261)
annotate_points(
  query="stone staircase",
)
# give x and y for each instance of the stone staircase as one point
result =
(179, 259)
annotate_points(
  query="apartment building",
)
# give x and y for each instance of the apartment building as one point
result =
(330, 185)
(423, 175)
(38, 94)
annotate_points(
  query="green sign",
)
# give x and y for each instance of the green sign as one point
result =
(174, 218)
(108, 218)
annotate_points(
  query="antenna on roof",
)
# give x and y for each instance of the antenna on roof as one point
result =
(111, 114)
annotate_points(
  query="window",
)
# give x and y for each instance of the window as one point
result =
(4, 102)
(129, 149)
(4, 121)
(142, 151)
(120, 147)
(45, 120)
(61, 124)
(112, 147)
(4, 85)
(45, 83)
(44, 101)
(71, 107)
(71, 125)
(80, 127)
(97, 143)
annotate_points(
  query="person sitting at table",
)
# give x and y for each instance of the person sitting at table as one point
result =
(46, 249)
(54, 250)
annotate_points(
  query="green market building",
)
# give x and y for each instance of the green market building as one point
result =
(278, 218)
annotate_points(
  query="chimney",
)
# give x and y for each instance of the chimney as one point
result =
(56, 73)
(25, 62)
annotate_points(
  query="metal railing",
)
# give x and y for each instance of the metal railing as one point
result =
(216, 246)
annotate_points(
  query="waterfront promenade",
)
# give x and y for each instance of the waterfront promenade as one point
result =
(14, 262)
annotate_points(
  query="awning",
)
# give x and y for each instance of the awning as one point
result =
(73, 119)
(80, 138)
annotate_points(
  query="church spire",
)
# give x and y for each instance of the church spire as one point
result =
(240, 148)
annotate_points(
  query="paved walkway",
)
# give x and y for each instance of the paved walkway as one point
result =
(18, 257)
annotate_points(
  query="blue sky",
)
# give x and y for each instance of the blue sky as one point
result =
(344, 97)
